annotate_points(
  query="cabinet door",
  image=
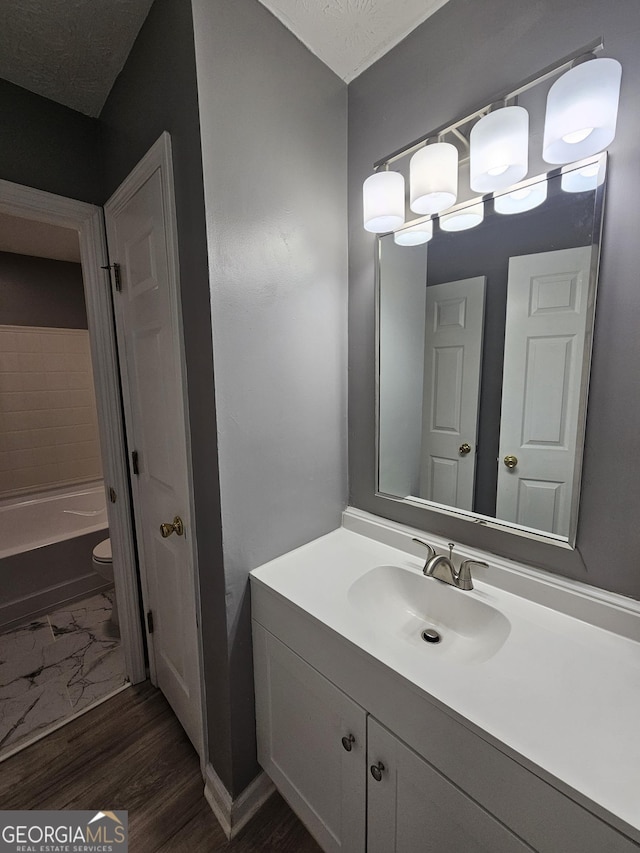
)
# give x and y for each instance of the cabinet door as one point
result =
(414, 809)
(301, 721)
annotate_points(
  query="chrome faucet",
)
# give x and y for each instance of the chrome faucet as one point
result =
(441, 568)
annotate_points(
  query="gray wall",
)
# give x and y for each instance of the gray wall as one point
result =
(274, 153)
(452, 63)
(48, 146)
(41, 292)
(157, 91)
(403, 300)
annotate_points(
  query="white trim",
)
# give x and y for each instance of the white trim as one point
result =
(233, 815)
(87, 220)
(599, 607)
(105, 365)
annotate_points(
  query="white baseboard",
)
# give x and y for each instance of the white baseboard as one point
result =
(232, 814)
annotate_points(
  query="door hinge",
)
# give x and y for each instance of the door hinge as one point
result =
(150, 621)
(117, 277)
(134, 463)
(113, 497)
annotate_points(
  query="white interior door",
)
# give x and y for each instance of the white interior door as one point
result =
(547, 308)
(141, 235)
(453, 357)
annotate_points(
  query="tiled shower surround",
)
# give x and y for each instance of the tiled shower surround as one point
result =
(56, 665)
(48, 421)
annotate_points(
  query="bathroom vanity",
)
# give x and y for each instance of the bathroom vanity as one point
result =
(516, 731)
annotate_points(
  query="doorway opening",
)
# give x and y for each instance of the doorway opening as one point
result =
(60, 647)
(142, 415)
(57, 622)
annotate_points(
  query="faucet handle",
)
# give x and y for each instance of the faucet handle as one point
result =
(464, 573)
(431, 552)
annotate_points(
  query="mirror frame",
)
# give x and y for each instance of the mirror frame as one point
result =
(567, 542)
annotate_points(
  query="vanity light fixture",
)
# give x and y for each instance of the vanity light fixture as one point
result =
(383, 202)
(499, 155)
(461, 220)
(582, 110)
(518, 201)
(414, 235)
(433, 178)
(580, 180)
(581, 114)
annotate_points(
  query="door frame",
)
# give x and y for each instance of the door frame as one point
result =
(88, 221)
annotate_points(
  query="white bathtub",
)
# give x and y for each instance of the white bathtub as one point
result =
(53, 517)
(46, 545)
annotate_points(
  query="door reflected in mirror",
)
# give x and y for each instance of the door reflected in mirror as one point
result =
(484, 347)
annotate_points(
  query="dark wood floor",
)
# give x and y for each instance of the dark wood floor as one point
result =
(131, 753)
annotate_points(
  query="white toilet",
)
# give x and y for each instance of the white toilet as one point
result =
(103, 565)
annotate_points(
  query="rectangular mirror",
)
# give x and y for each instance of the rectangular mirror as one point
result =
(484, 349)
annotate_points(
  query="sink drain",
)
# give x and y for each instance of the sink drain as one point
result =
(430, 635)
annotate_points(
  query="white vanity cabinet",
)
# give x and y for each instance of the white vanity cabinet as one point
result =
(472, 760)
(353, 783)
(302, 721)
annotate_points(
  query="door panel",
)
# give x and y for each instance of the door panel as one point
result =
(141, 235)
(444, 480)
(453, 353)
(547, 306)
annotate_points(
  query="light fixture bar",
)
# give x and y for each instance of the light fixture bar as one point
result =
(461, 138)
(528, 83)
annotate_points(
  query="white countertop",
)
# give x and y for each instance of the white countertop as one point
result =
(561, 692)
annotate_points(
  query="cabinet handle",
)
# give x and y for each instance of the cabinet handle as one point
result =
(376, 771)
(348, 742)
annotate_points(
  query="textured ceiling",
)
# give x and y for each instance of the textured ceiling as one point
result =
(349, 35)
(70, 51)
(24, 237)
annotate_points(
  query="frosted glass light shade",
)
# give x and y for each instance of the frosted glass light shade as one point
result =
(520, 200)
(499, 155)
(433, 178)
(582, 111)
(580, 180)
(383, 202)
(415, 235)
(460, 220)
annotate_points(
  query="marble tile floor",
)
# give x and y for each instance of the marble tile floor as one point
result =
(55, 666)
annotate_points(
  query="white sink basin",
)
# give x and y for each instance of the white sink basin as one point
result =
(403, 603)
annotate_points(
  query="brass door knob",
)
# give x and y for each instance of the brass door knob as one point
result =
(464, 449)
(510, 461)
(167, 529)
